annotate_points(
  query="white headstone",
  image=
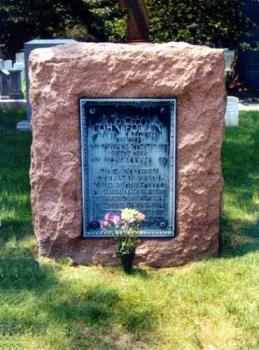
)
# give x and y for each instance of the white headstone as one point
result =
(19, 57)
(232, 111)
(5, 72)
(23, 125)
(8, 64)
(18, 66)
(32, 45)
(229, 56)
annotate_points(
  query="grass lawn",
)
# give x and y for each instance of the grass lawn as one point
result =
(212, 304)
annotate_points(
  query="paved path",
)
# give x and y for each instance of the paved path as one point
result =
(249, 106)
(10, 104)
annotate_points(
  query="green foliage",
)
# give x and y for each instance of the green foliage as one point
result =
(126, 246)
(248, 47)
(22, 20)
(219, 23)
(124, 229)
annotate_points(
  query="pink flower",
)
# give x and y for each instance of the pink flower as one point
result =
(141, 217)
(112, 219)
(108, 216)
(116, 220)
(104, 224)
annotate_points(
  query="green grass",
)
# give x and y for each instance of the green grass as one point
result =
(15, 212)
(212, 304)
(240, 220)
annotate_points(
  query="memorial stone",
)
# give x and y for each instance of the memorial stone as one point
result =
(232, 111)
(15, 85)
(19, 58)
(8, 65)
(134, 148)
(5, 84)
(18, 66)
(29, 46)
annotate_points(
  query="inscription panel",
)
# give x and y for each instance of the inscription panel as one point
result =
(128, 160)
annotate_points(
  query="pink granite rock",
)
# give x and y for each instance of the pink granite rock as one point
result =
(60, 76)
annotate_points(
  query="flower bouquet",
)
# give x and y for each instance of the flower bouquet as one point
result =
(125, 230)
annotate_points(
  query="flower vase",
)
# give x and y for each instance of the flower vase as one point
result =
(127, 261)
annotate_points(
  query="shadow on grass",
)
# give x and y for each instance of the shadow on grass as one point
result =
(23, 281)
(97, 305)
(143, 273)
(85, 315)
(15, 212)
(20, 270)
(15, 229)
(17, 325)
(240, 218)
(9, 119)
(238, 237)
(102, 306)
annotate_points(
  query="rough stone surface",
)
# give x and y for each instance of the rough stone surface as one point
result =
(60, 76)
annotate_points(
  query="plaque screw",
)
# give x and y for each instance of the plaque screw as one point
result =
(163, 223)
(94, 225)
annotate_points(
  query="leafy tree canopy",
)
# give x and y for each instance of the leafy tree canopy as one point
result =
(23, 20)
(218, 23)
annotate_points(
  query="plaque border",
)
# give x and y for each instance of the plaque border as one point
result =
(171, 231)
